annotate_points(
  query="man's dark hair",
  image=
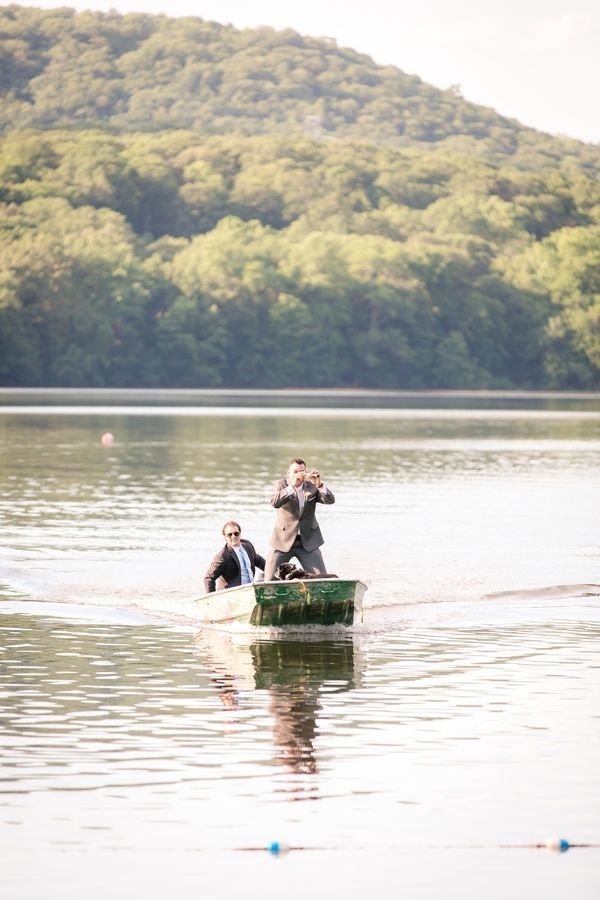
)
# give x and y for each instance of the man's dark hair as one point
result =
(298, 461)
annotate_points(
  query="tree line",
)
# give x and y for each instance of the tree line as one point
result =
(170, 260)
(173, 237)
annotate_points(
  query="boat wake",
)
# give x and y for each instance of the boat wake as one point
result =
(124, 595)
(554, 592)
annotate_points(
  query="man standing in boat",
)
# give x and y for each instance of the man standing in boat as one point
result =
(297, 533)
(235, 564)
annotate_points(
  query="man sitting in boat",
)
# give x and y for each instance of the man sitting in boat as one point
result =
(235, 564)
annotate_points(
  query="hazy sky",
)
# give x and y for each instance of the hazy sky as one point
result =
(534, 60)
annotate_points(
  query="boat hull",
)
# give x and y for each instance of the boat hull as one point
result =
(286, 604)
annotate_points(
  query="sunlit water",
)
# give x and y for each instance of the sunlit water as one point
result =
(426, 751)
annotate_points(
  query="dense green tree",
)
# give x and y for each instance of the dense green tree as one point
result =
(566, 267)
(454, 367)
(78, 286)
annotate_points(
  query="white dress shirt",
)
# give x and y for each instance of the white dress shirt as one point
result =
(299, 492)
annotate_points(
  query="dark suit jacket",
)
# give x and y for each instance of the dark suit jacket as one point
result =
(290, 522)
(226, 565)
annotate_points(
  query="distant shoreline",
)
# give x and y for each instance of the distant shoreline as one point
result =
(185, 396)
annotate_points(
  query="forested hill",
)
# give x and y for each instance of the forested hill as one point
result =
(144, 72)
(185, 204)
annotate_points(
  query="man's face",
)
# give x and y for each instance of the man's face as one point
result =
(232, 536)
(294, 469)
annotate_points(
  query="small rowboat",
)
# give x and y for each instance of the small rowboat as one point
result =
(316, 601)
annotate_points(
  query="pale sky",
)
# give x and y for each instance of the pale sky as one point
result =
(537, 61)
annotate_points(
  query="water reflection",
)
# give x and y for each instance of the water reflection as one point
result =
(107, 704)
(295, 673)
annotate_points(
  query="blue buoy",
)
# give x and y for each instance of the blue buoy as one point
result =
(277, 847)
(558, 845)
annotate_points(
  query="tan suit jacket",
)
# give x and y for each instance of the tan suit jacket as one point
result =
(290, 521)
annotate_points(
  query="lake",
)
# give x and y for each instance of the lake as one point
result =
(431, 750)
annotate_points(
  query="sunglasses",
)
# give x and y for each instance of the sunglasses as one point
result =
(232, 533)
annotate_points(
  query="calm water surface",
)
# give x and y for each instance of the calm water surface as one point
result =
(425, 751)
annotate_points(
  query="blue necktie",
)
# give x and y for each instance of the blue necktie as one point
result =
(245, 566)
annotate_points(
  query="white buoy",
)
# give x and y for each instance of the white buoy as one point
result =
(107, 439)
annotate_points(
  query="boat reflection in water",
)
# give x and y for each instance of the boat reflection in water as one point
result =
(297, 673)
